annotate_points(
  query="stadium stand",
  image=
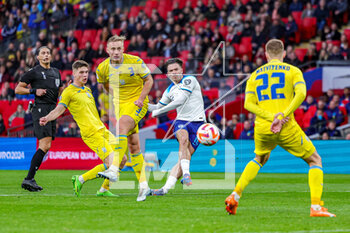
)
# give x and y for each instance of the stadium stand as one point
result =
(246, 27)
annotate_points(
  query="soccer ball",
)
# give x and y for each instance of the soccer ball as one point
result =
(208, 134)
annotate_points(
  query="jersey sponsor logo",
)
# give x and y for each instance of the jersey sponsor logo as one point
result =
(57, 82)
(44, 76)
(181, 126)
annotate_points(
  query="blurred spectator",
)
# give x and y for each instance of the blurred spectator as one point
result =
(4, 75)
(333, 113)
(346, 97)
(323, 56)
(277, 31)
(248, 131)
(73, 130)
(338, 7)
(308, 11)
(292, 59)
(226, 131)
(310, 101)
(35, 22)
(331, 129)
(103, 100)
(9, 32)
(101, 52)
(296, 5)
(291, 29)
(334, 33)
(152, 51)
(317, 124)
(88, 53)
(7, 93)
(169, 50)
(70, 60)
(335, 55)
(85, 21)
(20, 113)
(347, 137)
(213, 13)
(105, 120)
(325, 136)
(59, 130)
(70, 38)
(2, 126)
(94, 88)
(311, 54)
(321, 14)
(191, 65)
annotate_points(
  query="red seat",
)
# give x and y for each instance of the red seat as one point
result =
(347, 33)
(213, 24)
(97, 41)
(78, 34)
(343, 111)
(126, 44)
(18, 123)
(318, 45)
(219, 3)
(199, 24)
(299, 115)
(223, 31)
(143, 55)
(297, 17)
(309, 27)
(150, 5)
(300, 52)
(134, 11)
(212, 94)
(64, 74)
(88, 35)
(308, 116)
(150, 122)
(116, 31)
(156, 60)
(238, 130)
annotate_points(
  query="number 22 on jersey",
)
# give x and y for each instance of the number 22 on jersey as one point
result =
(274, 89)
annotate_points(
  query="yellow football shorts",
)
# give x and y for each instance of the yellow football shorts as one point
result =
(102, 143)
(130, 109)
(292, 139)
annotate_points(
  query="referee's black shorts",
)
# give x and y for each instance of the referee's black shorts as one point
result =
(48, 130)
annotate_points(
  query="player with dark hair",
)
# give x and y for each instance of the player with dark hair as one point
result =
(185, 95)
(46, 85)
(81, 104)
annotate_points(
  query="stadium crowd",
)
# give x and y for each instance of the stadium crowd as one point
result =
(191, 30)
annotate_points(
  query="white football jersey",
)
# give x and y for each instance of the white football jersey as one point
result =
(193, 108)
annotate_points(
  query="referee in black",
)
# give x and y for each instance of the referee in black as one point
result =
(45, 83)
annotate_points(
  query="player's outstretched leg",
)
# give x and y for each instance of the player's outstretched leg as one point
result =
(249, 173)
(78, 181)
(104, 190)
(316, 187)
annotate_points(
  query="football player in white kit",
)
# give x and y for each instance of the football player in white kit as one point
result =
(184, 95)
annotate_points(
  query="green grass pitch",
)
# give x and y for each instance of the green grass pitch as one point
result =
(271, 203)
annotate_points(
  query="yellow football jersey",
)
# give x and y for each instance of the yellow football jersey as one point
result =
(273, 86)
(81, 104)
(125, 79)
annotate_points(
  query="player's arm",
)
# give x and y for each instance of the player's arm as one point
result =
(22, 89)
(164, 101)
(179, 100)
(147, 86)
(53, 115)
(250, 103)
(61, 89)
(299, 93)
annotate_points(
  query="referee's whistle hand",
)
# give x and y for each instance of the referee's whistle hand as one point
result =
(43, 121)
(40, 92)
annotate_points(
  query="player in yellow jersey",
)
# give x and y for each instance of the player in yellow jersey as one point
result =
(274, 91)
(130, 81)
(81, 104)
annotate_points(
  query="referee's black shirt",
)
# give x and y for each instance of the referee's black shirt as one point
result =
(40, 78)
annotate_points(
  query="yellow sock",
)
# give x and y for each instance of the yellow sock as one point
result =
(138, 164)
(92, 174)
(105, 184)
(316, 184)
(249, 173)
(120, 149)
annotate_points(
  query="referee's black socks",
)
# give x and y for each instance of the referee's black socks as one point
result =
(35, 164)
